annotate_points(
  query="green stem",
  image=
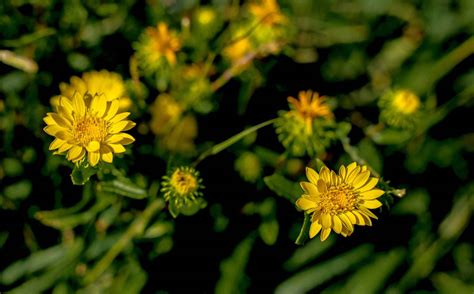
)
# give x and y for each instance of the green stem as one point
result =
(354, 154)
(232, 140)
(134, 230)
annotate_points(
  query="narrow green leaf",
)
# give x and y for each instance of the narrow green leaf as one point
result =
(283, 187)
(124, 187)
(305, 254)
(304, 232)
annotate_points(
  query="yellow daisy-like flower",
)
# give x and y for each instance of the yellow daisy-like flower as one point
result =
(400, 108)
(162, 43)
(86, 125)
(268, 12)
(337, 202)
(109, 84)
(310, 106)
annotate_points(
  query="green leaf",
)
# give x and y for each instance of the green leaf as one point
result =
(370, 153)
(124, 187)
(173, 209)
(283, 187)
(304, 281)
(305, 254)
(81, 174)
(391, 137)
(12, 167)
(19, 190)
(233, 278)
(193, 207)
(304, 232)
(268, 231)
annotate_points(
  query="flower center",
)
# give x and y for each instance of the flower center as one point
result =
(183, 182)
(338, 199)
(406, 102)
(90, 129)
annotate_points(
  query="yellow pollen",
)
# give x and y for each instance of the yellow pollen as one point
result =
(90, 129)
(183, 182)
(406, 102)
(338, 199)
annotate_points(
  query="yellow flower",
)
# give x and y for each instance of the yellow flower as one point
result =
(86, 125)
(406, 101)
(310, 106)
(400, 108)
(162, 43)
(337, 202)
(237, 50)
(109, 84)
(182, 186)
(180, 138)
(268, 12)
(165, 112)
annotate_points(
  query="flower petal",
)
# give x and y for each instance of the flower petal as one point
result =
(350, 168)
(106, 153)
(304, 203)
(353, 175)
(346, 222)
(325, 234)
(372, 204)
(351, 217)
(93, 146)
(361, 179)
(74, 153)
(342, 171)
(116, 148)
(56, 144)
(360, 219)
(119, 117)
(324, 174)
(367, 212)
(372, 194)
(314, 229)
(78, 104)
(121, 138)
(65, 147)
(326, 220)
(322, 188)
(312, 175)
(336, 224)
(309, 188)
(372, 182)
(112, 110)
(93, 158)
(117, 127)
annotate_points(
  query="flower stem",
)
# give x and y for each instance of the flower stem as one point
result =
(232, 140)
(134, 230)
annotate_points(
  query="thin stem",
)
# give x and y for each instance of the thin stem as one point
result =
(232, 140)
(134, 230)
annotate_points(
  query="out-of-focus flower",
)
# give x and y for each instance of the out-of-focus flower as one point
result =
(156, 47)
(337, 202)
(182, 186)
(86, 125)
(109, 84)
(268, 12)
(238, 48)
(165, 113)
(310, 106)
(249, 167)
(400, 108)
(180, 139)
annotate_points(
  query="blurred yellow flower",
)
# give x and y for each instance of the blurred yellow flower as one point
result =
(268, 12)
(400, 108)
(109, 84)
(337, 202)
(162, 43)
(86, 125)
(310, 106)
(165, 112)
(180, 138)
(238, 49)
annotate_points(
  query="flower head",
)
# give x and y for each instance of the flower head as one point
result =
(182, 186)
(337, 202)
(165, 113)
(109, 84)
(268, 12)
(236, 51)
(310, 106)
(400, 108)
(86, 125)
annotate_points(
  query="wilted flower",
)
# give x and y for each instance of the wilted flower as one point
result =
(400, 108)
(337, 202)
(109, 84)
(88, 125)
(182, 186)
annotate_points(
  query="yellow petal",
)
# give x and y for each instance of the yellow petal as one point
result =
(312, 175)
(309, 188)
(64, 135)
(346, 221)
(117, 148)
(350, 168)
(129, 125)
(367, 219)
(56, 144)
(106, 153)
(334, 179)
(322, 188)
(78, 104)
(314, 229)
(360, 219)
(361, 179)
(117, 127)
(326, 220)
(66, 104)
(60, 120)
(369, 185)
(342, 171)
(324, 174)
(325, 234)
(372, 194)
(111, 110)
(336, 224)
(367, 212)
(353, 175)
(93, 158)
(305, 204)
(64, 113)
(372, 204)
(65, 147)
(351, 217)
(75, 152)
(121, 138)
(93, 146)
(49, 120)
(119, 117)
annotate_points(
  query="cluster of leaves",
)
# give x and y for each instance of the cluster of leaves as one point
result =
(108, 230)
